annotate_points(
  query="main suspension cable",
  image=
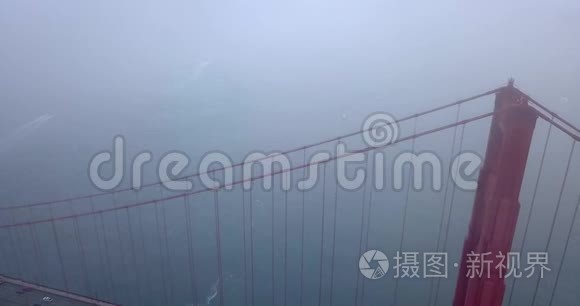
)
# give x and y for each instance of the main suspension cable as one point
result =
(325, 141)
(258, 177)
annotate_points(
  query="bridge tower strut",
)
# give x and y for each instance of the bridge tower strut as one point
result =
(496, 207)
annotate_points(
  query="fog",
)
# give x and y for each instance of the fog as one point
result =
(160, 73)
(239, 76)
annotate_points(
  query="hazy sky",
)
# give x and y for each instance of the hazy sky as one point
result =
(241, 75)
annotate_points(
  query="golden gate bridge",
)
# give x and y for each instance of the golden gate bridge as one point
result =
(118, 247)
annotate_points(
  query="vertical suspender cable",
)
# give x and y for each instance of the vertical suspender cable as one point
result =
(368, 222)
(285, 247)
(146, 272)
(333, 237)
(118, 227)
(134, 258)
(15, 248)
(530, 211)
(106, 259)
(273, 249)
(574, 216)
(160, 241)
(124, 269)
(252, 246)
(450, 212)
(58, 250)
(190, 249)
(244, 229)
(362, 223)
(405, 210)
(556, 213)
(21, 252)
(445, 193)
(34, 238)
(219, 249)
(303, 220)
(322, 234)
(167, 260)
(3, 258)
(82, 252)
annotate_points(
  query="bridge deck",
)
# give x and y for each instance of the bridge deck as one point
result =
(14, 292)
